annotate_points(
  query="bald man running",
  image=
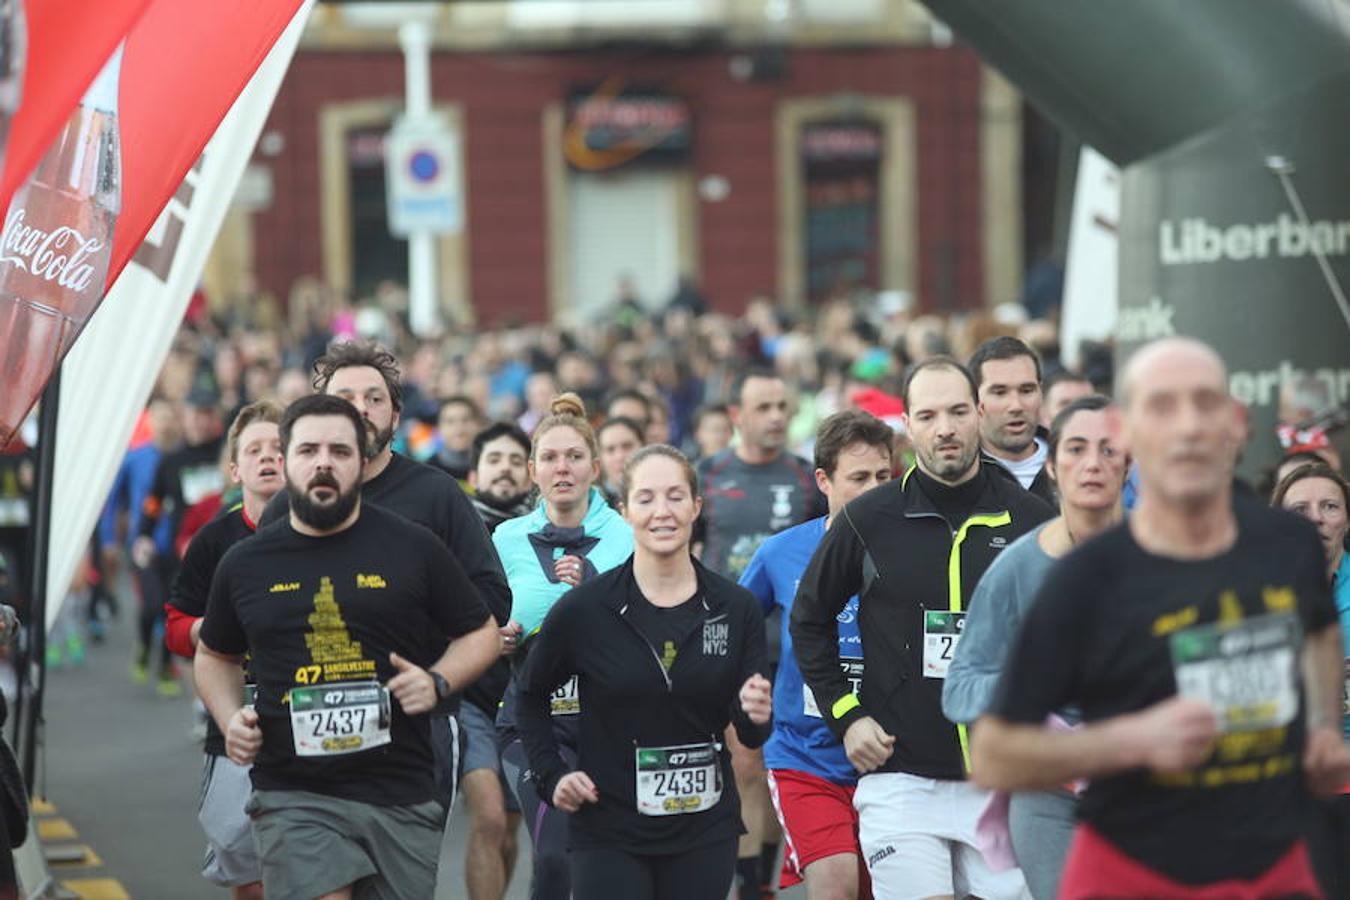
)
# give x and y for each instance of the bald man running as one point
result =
(1200, 642)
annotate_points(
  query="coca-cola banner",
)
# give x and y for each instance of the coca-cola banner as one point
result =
(49, 52)
(75, 222)
(109, 374)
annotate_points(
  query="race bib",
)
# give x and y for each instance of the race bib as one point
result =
(672, 781)
(853, 671)
(565, 701)
(200, 482)
(1248, 671)
(941, 634)
(334, 719)
(14, 512)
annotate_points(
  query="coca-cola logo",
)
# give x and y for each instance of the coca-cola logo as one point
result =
(61, 255)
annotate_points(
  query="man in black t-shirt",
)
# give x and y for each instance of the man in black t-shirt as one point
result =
(357, 623)
(368, 377)
(1201, 646)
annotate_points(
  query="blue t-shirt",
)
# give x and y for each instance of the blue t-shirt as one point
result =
(801, 740)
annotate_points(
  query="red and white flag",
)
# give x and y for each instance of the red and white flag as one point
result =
(108, 376)
(50, 50)
(76, 221)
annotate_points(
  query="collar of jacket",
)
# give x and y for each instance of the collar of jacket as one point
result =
(620, 579)
(914, 502)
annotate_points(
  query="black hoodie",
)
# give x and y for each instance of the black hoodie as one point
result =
(629, 701)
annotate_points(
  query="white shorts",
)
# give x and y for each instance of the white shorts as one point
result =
(918, 838)
(231, 856)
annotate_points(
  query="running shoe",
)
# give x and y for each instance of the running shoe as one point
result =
(75, 650)
(169, 686)
(140, 668)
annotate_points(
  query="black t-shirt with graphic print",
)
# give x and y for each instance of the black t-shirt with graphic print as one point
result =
(319, 611)
(1116, 629)
(745, 503)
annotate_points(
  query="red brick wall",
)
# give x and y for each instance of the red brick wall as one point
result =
(503, 97)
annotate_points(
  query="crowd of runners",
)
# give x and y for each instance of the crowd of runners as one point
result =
(1029, 634)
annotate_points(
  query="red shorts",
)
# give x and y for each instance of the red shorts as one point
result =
(1096, 870)
(818, 820)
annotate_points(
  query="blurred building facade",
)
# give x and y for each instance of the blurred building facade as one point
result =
(790, 148)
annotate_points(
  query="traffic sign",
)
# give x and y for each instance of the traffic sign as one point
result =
(423, 177)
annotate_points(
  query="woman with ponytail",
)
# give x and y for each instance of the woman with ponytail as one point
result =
(571, 537)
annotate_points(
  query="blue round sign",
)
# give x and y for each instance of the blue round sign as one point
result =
(424, 165)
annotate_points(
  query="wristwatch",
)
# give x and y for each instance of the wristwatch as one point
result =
(443, 691)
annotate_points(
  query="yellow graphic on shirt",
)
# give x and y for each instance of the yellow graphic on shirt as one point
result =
(1230, 608)
(1279, 599)
(282, 587)
(1182, 618)
(370, 581)
(335, 656)
(668, 655)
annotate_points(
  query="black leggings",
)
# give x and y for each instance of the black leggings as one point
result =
(547, 826)
(153, 583)
(703, 873)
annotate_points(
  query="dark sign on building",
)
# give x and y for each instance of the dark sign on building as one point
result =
(614, 124)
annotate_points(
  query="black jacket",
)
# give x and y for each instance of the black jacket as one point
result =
(628, 701)
(901, 557)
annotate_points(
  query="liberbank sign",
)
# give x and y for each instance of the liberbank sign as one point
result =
(1197, 240)
(1217, 243)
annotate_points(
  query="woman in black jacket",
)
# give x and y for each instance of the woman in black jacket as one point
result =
(666, 654)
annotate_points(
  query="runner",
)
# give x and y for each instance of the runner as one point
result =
(753, 490)
(912, 552)
(368, 377)
(654, 807)
(183, 477)
(1179, 636)
(1008, 379)
(356, 622)
(1319, 494)
(253, 443)
(1088, 467)
(618, 439)
(811, 780)
(500, 478)
(571, 537)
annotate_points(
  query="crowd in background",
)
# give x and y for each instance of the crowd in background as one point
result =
(667, 368)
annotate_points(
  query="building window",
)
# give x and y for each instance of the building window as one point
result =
(376, 254)
(841, 164)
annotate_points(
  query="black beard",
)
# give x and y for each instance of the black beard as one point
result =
(497, 501)
(375, 443)
(322, 516)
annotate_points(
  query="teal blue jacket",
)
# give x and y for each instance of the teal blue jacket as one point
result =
(530, 544)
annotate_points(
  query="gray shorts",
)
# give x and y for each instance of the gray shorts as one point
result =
(231, 856)
(479, 735)
(313, 844)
